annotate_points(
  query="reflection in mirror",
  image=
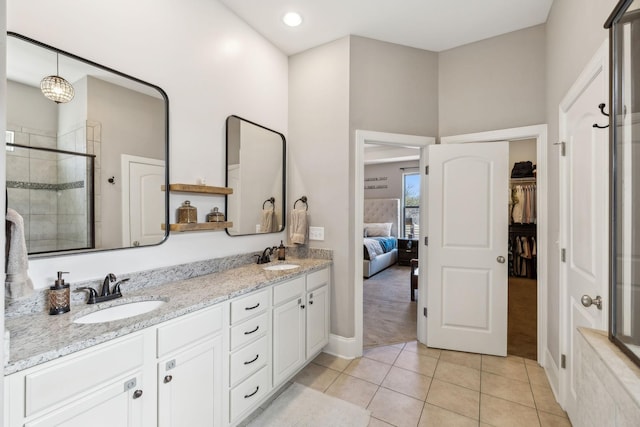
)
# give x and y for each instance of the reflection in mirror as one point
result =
(256, 172)
(87, 174)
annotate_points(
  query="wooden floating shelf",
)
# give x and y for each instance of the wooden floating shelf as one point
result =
(204, 189)
(199, 226)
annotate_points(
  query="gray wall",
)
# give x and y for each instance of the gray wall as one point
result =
(393, 88)
(393, 173)
(493, 84)
(318, 164)
(574, 33)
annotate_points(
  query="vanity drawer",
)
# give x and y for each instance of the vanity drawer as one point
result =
(288, 290)
(189, 329)
(245, 307)
(317, 279)
(248, 393)
(248, 330)
(246, 361)
(81, 372)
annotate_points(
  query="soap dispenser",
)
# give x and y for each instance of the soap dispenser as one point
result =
(59, 296)
(281, 252)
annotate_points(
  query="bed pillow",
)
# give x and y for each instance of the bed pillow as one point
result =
(378, 229)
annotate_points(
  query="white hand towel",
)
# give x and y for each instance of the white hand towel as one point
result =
(266, 221)
(299, 228)
(17, 283)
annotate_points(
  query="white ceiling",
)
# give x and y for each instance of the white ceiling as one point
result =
(433, 25)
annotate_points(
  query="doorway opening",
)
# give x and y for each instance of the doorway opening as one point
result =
(522, 336)
(391, 196)
(391, 142)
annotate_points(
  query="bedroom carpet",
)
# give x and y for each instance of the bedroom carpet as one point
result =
(389, 315)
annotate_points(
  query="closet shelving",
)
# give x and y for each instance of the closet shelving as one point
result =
(199, 189)
(524, 230)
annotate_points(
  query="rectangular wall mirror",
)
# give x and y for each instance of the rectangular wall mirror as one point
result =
(256, 172)
(85, 174)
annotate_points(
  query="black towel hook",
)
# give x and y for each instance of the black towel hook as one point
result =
(302, 199)
(601, 107)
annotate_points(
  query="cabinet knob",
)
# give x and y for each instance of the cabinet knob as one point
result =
(137, 394)
(302, 307)
(168, 378)
(311, 302)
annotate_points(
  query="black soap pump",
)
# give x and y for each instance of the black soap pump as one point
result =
(59, 296)
(281, 252)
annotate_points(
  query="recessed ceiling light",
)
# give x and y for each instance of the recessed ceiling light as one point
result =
(292, 19)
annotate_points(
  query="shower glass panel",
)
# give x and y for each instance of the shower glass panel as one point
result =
(53, 191)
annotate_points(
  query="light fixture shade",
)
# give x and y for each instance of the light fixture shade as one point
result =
(57, 89)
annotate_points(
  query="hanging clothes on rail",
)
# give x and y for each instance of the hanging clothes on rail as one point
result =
(523, 199)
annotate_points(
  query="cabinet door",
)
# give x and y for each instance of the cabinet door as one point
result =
(317, 320)
(117, 404)
(288, 338)
(190, 386)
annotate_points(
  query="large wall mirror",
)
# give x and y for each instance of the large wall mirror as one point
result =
(256, 172)
(86, 174)
(624, 329)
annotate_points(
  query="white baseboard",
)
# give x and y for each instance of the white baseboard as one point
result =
(342, 347)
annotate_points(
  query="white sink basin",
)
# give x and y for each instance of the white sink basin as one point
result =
(280, 267)
(122, 311)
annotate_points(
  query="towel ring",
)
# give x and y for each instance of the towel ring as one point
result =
(302, 199)
(271, 200)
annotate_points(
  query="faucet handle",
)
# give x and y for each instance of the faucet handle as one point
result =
(93, 294)
(116, 287)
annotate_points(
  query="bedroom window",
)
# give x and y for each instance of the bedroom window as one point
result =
(411, 205)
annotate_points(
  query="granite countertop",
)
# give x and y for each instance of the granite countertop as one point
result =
(39, 338)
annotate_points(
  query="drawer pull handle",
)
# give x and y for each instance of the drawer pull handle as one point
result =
(251, 332)
(252, 308)
(246, 396)
(137, 394)
(168, 378)
(253, 360)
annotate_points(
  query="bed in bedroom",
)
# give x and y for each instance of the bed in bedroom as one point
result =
(381, 228)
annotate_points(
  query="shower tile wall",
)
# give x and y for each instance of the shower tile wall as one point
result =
(49, 189)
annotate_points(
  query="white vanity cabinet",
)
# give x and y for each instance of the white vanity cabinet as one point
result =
(249, 353)
(300, 322)
(106, 385)
(189, 365)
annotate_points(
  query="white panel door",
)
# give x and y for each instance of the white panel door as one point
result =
(146, 202)
(467, 260)
(584, 215)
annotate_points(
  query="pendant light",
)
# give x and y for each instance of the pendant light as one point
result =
(56, 88)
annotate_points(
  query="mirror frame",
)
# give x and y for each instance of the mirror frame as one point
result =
(284, 175)
(166, 146)
(618, 16)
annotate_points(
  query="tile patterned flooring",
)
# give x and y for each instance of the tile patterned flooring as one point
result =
(412, 385)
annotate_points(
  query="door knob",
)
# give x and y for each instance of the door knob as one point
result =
(587, 301)
(500, 259)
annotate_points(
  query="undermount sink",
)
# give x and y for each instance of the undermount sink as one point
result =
(280, 267)
(121, 311)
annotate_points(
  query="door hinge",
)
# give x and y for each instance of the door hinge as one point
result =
(563, 361)
(563, 255)
(426, 240)
(426, 170)
(563, 147)
(424, 311)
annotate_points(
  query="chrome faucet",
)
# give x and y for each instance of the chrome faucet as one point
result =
(105, 293)
(265, 257)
